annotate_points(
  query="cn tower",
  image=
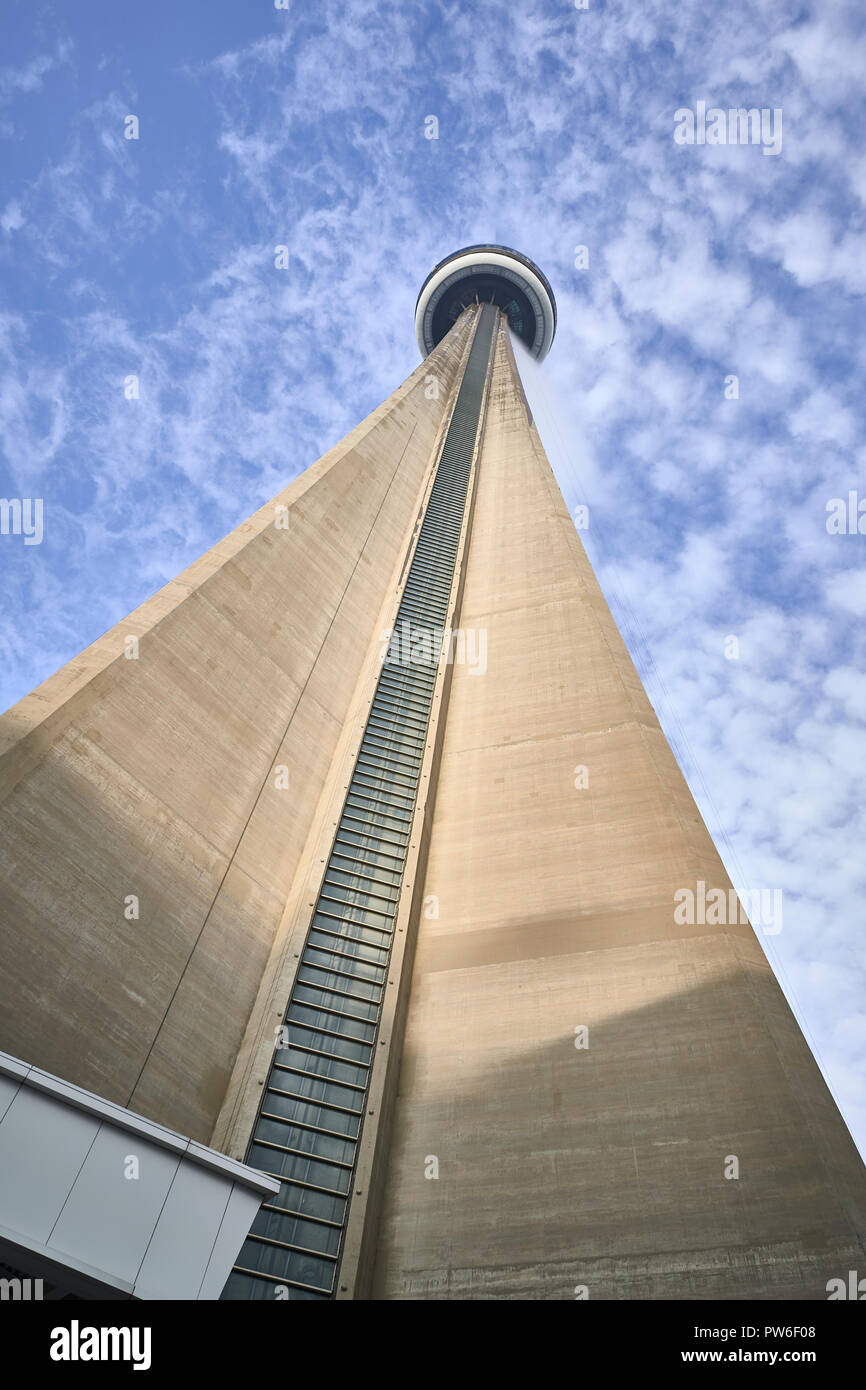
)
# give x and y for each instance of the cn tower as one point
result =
(344, 875)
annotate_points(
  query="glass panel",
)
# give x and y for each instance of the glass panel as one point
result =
(314, 1088)
(390, 831)
(331, 1067)
(400, 760)
(245, 1286)
(413, 683)
(360, 850)
(370, 803)
(391, 855)
(358, 969)
(330, 1022)
(348, 947)
(436, 570)
(363, 824)
(293, 1230)
(391, 749)
(394, 706)
(413, 610)
(400, 777)
(287, 1264)
(310, 1202)
(302, 1169)
(386, 797)
(334, 999)
(391, 710)
(363, 879)
(338, 1047)
(333, 979)
(372, 806)
(291, 1108)
(418, 639)
(400, 793)
(410, 685)
(388, 707)
(307, 1141)
(408, 633)
(353, 921)
(428, 595)
(412, 639)
(400, 737)
(357, 895)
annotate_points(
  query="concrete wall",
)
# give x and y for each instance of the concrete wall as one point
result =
(602, 1167)
(156, 777)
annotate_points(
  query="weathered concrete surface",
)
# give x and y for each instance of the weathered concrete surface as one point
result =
(602, 1167)
(156, 777)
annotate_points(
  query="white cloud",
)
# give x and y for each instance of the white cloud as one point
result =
(16, 81)
(12, 218)
(848, 591)
(845, 683)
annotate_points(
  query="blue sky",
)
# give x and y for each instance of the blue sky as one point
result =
(306, 128)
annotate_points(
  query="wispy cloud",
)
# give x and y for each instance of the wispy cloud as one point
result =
(29, 77)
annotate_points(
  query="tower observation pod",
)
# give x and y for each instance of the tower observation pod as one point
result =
(493, 275)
